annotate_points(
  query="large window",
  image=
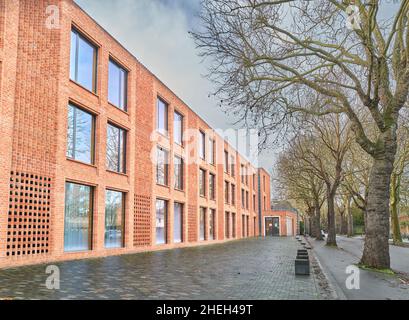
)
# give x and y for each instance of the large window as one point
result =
(226, 192)
(162, 166)
(243, 200)
(178, 171)
(114, 219)
(202, 182)
(212, 151)
(161, 221)
(202, 223)
(247, 200)
(233, 194)
(212, 228)
(116, 145)
(117, 85)
(78, 217)
(80, 135)
(212, 186)
(254, 202)
(226, 161)
(162, 117)
(227, 225)
(233, 225)
(243, 225)
(233, 167)
(178, 223)
(178, 128)
(83, 61)
(202, 145)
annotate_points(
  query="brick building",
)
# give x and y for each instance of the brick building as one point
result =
(97, 154)
(280, 220)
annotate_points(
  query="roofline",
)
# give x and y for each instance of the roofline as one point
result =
(157, 78)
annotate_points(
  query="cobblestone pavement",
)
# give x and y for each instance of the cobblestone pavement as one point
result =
(258, 268)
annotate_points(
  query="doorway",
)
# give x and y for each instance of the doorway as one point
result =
(272, 226)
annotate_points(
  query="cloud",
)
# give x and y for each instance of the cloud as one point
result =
(156, 32)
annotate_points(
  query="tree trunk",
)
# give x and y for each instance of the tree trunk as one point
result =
(376, 247)
(344, 225)
(332, 236)
(318, 234)
(350, 218)
(395, 199)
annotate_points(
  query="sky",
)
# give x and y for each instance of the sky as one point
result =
(156, 33)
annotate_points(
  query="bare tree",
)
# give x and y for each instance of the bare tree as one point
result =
(270, 55)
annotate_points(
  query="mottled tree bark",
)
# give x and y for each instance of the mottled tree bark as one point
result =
(376, 247)
(318, 234)
(332, 235)
(394, 202)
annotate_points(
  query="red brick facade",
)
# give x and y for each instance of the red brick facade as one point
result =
(35, 90)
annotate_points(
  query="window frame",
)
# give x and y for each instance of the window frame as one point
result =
(176, 112)
(203, 183)
(202, 145)
(182, 173)
(212, 191)
(123, 219)
(166, 222)
(125, 91)
(166, 166)
(166, 118)
(125, 144)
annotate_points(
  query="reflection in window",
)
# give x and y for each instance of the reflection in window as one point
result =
(233, 225)
(212, 186)
(178, 128)
(202, 182)
(212, 151)
(162, 167)
(77, 217)
(202, 223)
(83, 61)
(227, 225)
(114, 219)
(117, 85)
(116, 143)
(233, 194)
(162, 117)
(202, 145)
(161, 221)
(178, 223)
(212, 228)
(178, 170)
(80, 135)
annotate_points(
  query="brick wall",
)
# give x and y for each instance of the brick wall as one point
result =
(35, 92)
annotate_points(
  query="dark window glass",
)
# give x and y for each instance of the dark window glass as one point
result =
(202, 182)
(178, 223)
(226, 162)
(162, 117)
(242, 199)
(116, 144)
(233, 169)
(227, 225)
(202, 223)
(161, 221)
(226, 192)
(212, 151)
(162, 167)
(233, 194)
(77, 217)
(117, 85)
(80, 135)
(83, 61)
(212, 186)
(243, 227)
(212, 228)
(114, 219)
(233, 225)
(178, 128)
(178, 163)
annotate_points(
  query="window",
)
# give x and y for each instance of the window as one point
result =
(212, 186)
(247, 175)
(178, 223)
(264, 202)
(254, 181)
(116, 145)
(212, 228)
(202, 223)
(233, 194)
(162, 167)
(227, 225)
(78, 217)
(243, 226)
(242, 198)
(162, 117)
(226, 192)
(202, 182)
(83, 61)
(80, 135)
(212, 151)
(226, 161)
(117, 85)
(233, 225)
(161, 221)
(254, 227)
(233, 167)
(242, 173)
(264, 183)
(247, 200)
(114, 219)
(248, 226)
(254, 202)
(202, 145)
(178, 165)
(178, 128)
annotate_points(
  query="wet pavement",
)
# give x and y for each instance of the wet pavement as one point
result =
(257, 268)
